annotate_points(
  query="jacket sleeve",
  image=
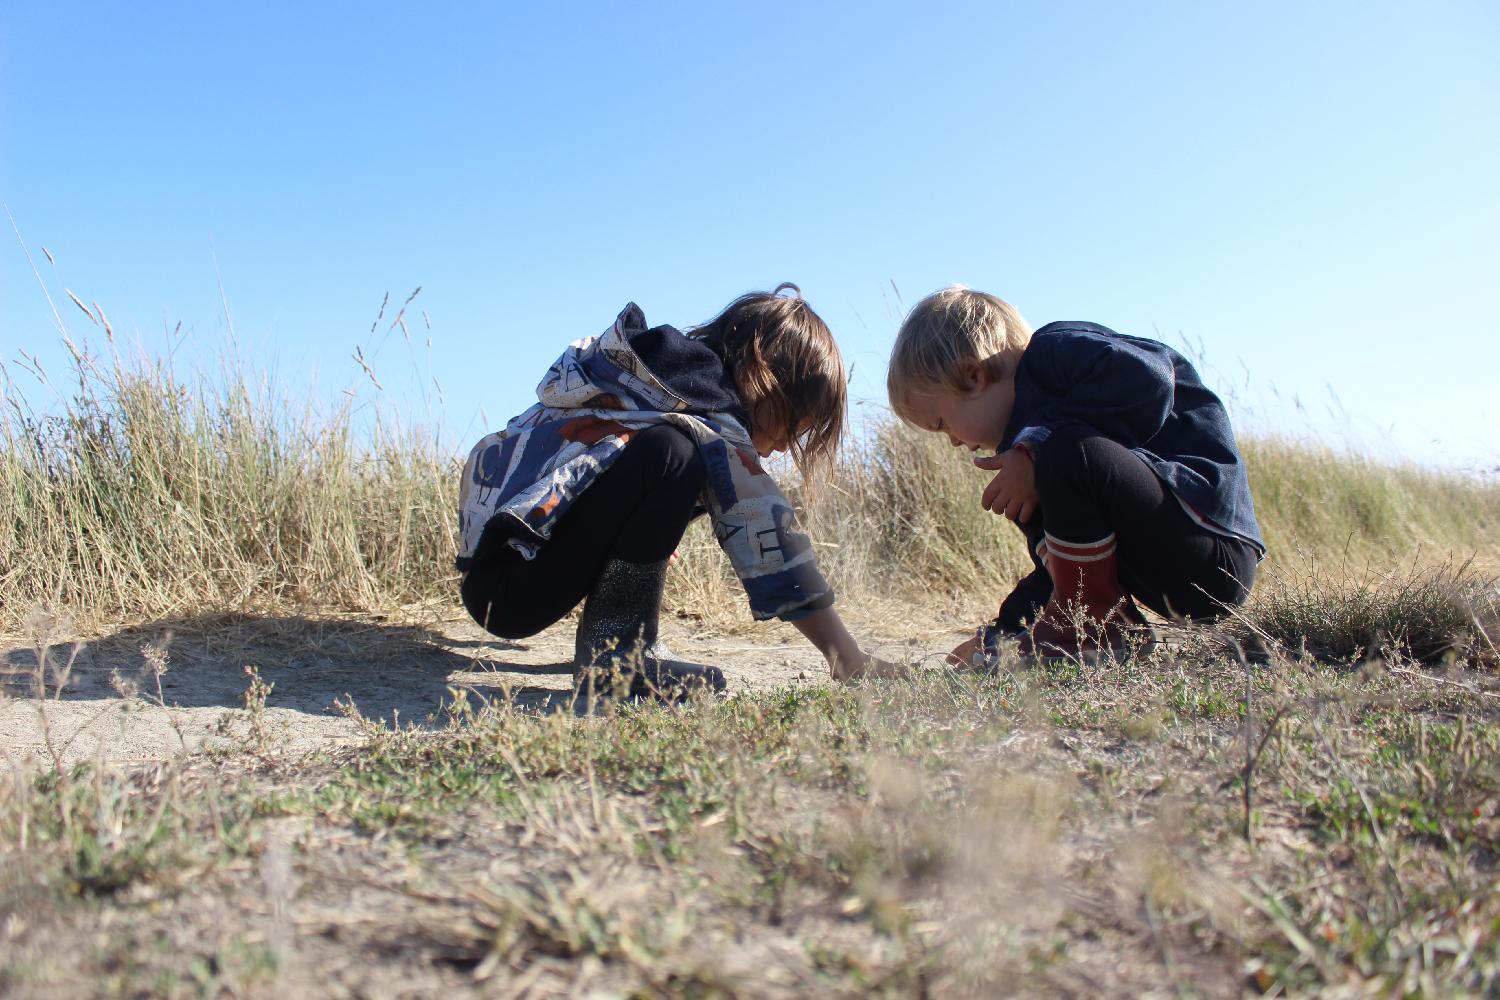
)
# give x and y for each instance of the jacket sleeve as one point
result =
(1122, 388)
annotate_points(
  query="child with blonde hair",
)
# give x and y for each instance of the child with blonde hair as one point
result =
(585, 496)
(1109, 453)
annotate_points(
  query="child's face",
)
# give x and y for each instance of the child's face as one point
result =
(973, 418)
(769, 435)
(769, 442)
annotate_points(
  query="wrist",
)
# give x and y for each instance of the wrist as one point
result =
(987, 638)
(847, 662)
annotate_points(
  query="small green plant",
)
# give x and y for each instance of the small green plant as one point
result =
(255, 706)
(251, 728)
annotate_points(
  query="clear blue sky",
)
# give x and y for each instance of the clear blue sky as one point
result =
(1311, 191)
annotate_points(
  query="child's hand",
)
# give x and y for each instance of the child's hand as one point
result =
(846, 661)
(1013, 490)
(963, 653)
(863, 665)
(876, 667)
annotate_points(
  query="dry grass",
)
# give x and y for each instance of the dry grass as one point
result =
(1058, 831)
(1180, 823)
(146, 496)
(1335, 507)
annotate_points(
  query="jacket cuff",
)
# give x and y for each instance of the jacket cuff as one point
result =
(807, 610)
(1032, 438)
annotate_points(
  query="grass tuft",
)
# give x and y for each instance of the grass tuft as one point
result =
(1434, 615)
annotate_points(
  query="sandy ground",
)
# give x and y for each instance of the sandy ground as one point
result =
(109, 705)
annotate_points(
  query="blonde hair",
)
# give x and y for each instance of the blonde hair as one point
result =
(784, 363)
(943, 332)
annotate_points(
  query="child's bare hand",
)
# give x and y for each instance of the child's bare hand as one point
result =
(868, 666)
(963, 653)
(1013, 490)
(876, 667)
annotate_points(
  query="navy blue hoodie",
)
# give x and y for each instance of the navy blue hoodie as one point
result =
(1149, 398)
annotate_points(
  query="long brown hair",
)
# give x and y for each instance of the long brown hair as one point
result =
(784, 361)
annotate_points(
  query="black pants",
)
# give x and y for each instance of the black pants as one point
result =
(636, 510)
(1091, 486)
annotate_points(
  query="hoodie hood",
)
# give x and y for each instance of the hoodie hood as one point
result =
(634, 367)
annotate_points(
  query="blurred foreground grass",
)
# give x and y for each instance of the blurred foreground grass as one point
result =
(1032, 831)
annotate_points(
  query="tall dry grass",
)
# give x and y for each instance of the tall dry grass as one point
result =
(1319, 503)
(147, 494)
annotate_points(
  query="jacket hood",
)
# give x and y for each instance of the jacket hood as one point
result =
(643, 368)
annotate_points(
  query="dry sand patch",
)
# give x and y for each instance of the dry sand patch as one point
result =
(403, 673)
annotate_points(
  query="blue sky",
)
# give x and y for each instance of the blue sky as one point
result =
(1305, 191)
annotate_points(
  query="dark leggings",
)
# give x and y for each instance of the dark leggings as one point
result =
(1091, 486)
(636, 511)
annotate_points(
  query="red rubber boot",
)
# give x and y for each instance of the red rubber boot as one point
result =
(1089, 613)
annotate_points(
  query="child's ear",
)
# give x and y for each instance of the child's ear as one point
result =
(973, 375)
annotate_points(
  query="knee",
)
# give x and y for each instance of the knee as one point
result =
(494, 616)
(1061, 452)
(1075, 444)
(669, 450)
(1071, 454)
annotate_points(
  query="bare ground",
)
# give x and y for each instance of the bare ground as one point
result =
(1030, 832)
(400, 671)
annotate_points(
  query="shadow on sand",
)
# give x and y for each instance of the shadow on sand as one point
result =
(392, 672)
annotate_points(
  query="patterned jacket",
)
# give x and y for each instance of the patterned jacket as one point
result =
(522, 480)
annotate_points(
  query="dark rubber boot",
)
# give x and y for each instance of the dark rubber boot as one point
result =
(617, 652)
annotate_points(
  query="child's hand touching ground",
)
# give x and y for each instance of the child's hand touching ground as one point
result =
(876, 667)
(1013, 490)
(963, 654)
(825, 630)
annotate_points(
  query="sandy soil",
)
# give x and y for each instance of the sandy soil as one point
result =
(397, 672)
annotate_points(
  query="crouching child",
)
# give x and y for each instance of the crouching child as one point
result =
(1109, 453)
(584, 496)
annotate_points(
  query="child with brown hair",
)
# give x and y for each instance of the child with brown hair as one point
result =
(585, 496)
(1112, 457)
